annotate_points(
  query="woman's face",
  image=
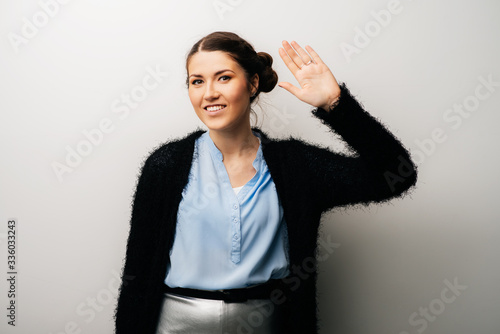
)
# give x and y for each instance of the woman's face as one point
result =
(219, 91)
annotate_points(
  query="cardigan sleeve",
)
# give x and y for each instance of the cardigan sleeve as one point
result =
(380, 170)
(135, 311)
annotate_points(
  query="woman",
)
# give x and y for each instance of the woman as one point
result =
(225, 222)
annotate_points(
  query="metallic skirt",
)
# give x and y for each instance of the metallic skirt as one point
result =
(183, 314)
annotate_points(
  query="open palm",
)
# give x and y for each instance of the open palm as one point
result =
(319, 87)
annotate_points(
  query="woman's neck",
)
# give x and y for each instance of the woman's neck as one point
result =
(235, 144)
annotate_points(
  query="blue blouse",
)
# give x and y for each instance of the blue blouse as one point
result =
(226, 239)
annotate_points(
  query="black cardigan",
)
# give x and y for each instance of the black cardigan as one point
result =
(309, 180)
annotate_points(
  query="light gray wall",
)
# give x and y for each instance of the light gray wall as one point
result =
(384, 269)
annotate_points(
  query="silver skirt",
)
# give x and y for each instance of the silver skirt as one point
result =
(183, 314)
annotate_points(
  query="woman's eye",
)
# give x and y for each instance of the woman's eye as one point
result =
(225, 77)
(194, 82)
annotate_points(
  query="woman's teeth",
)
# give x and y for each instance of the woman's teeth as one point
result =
(215, 108)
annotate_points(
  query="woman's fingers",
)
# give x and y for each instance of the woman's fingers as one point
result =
(305, 58)
(292, 54)
(288, 62)
(314, 55)
(295, 57)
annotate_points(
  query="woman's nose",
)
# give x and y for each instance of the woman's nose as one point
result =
(211, 92)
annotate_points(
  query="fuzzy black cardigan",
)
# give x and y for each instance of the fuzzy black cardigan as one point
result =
(309, 180)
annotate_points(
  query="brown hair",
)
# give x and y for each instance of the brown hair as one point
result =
(244, 54)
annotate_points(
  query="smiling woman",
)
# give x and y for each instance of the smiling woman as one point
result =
(224, 225)
(220, 93)
(229, 78)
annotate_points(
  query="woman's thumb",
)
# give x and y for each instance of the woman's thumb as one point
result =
(289, 87)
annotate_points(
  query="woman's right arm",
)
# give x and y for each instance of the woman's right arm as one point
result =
(134, 304)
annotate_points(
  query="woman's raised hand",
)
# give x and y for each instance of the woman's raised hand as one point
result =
(319, 87)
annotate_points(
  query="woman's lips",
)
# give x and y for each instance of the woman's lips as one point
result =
(215, 112)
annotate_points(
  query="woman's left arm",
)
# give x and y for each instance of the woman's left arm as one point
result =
(383, 168)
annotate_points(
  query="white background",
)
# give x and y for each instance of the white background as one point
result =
(389, 261)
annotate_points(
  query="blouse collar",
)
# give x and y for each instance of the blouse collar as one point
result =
(217, 155)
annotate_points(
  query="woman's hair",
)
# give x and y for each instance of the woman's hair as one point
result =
(244, 54)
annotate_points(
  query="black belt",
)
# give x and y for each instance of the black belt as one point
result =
(260, 291)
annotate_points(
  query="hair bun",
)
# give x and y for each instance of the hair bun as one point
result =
(265, 58)
(268, 78)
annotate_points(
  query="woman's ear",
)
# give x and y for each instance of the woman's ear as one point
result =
(255, 84)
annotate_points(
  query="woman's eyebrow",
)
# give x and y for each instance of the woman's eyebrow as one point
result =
(216, 73)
